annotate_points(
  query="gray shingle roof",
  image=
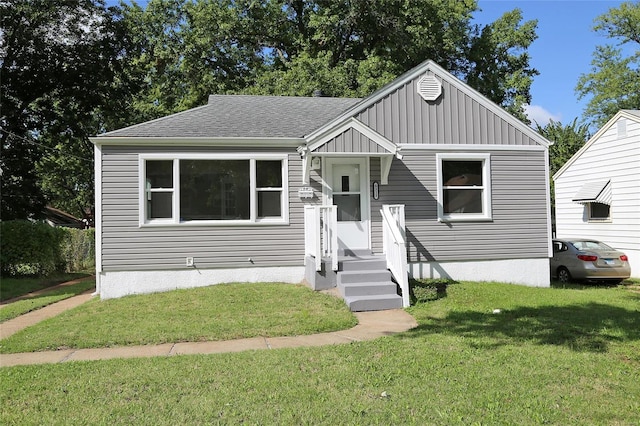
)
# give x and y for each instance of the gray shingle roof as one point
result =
(244, 116)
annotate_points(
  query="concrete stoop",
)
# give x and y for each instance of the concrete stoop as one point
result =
(366, 285)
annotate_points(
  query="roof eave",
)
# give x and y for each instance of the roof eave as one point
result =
(196, 141)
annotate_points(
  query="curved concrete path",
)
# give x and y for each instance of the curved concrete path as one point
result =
(371, 325)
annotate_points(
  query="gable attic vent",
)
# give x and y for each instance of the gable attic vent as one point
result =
(429, 87)
(622, 128)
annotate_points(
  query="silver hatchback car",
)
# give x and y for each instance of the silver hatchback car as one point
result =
(584, 259)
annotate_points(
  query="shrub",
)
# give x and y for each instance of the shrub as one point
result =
(35, 248)
(78, 249)
(425, 290)
(30, 248)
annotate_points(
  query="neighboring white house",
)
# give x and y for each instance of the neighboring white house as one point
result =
(598, 189)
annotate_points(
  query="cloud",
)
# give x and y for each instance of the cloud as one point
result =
(538, 114)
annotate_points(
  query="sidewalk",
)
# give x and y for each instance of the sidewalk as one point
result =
(371, 325)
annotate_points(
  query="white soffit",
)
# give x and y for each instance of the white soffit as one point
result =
(429, 87)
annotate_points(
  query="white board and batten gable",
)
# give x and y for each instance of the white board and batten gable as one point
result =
(598, 189)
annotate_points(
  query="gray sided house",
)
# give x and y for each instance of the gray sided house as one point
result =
(425, 178)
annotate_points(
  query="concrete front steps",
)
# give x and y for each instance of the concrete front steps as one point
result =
(365, 283)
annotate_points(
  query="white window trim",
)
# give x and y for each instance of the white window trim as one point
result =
(486, 188)
(175, 220)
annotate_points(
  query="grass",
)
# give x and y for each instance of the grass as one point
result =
(11, 287)
(551, 356)
(23, 306)
(219, 312)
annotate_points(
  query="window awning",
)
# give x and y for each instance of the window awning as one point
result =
(594, 192)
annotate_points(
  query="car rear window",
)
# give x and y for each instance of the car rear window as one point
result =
(590, 245)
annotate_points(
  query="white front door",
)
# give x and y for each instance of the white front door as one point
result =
(348, 189)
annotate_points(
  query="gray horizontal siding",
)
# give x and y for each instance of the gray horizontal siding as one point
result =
(518, 229)
(351, 141)
(126, 246)
(455, 118)
(519, 225)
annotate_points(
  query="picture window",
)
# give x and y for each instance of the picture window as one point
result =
(213, 190)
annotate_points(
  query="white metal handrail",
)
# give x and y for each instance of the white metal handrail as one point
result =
(394, 243)
(320, 234)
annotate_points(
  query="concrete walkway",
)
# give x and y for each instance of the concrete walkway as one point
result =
(371, 325)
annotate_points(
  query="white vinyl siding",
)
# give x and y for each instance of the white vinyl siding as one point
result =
(608, 157)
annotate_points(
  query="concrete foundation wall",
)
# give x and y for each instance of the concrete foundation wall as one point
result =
(117, 284)
(529, 272)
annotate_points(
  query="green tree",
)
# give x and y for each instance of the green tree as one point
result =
(351, 48)
(614, 81)
(567, 140)
(186, 50)
(61, 70)
(76, 68)
(191, 48)
(499, 63)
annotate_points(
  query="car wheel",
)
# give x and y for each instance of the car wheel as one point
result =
(563, 275)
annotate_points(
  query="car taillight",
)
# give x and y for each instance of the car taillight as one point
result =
(624, 258)
(587, 258)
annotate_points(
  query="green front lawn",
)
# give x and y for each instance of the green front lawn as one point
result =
(550, 356)
(23, 306)
(11, 287)
(220, 312)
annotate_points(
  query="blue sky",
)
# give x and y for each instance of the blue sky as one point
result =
(561, 53)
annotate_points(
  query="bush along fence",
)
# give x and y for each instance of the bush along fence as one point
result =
(36, 248)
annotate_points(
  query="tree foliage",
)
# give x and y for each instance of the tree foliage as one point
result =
(76, 68)
(567, 140)
(614, 80)
(190, 49)
(61, 64)
(500, 64)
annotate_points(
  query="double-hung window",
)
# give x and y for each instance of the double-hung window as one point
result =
(159, 189)
(207, 189)
(464, 187)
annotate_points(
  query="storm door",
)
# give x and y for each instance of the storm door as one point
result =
(348, 182)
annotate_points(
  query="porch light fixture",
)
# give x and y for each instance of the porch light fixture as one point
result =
(315, 163)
